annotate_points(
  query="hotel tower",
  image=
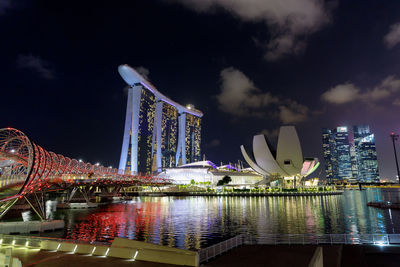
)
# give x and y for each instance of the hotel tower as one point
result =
(159, 133)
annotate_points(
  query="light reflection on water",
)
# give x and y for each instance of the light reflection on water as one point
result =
(195, 222)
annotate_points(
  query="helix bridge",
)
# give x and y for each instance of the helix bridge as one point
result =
(27, 171)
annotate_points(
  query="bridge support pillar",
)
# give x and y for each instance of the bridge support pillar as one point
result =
(5, 206)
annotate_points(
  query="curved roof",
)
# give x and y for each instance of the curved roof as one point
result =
(288, 152)
(228, 167)
(288, 161)
(132, 77)
(204, 163)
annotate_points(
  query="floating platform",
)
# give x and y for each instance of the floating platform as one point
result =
(30, 227)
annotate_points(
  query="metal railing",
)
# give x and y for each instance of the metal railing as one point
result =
(210, 252)
(315, 239)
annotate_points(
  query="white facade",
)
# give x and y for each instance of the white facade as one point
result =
(206, 171)
(288, 161)
(132, 120)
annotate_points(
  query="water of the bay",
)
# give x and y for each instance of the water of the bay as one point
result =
(197, 222)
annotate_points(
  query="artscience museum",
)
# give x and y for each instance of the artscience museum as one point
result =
(285, 164)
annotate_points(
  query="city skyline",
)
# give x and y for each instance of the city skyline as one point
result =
(350, 155)
(249, 72)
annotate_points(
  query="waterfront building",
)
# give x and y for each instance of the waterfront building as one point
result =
(206, 172)
(354, 167)
(367, 162)
(286, 162)
(159, 132)
(350, 160)
(328, 145)
(337, 157)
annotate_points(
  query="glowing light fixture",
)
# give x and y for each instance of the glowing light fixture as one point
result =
(134, 257)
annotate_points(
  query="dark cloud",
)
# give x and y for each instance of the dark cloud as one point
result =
(143, 71)
(271, 134)
(289, 21)
(213, 143)
(5, 5)
(392, 38)
(240, 97)
(35, 64)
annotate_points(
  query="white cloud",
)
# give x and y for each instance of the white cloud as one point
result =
(289, 21)
(293, 113)
(341, 94)
(241, 98)
(392, 38)
(36, 64)
(143, 71)
(346, 93)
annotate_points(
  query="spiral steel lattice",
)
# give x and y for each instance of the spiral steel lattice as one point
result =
(26, 168)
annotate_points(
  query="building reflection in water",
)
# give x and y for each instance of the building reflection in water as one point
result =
(195, 222)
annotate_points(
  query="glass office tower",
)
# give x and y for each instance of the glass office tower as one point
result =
(367, 162)
(328, 146)
(337, 157)
(350, 161)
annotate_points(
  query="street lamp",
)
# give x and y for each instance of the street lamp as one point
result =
(394, 138)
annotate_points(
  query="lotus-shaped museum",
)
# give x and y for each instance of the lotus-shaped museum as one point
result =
(286, 161)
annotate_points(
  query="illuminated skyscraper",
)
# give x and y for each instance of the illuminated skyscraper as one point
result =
(351, 161)
(367, 162)
(337, 154)
(328, 146)
(354, 167)
(159, 132)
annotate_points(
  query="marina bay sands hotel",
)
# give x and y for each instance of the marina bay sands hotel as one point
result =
(159, 133)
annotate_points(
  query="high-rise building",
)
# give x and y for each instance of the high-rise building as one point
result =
(159, 133)
(329, 149)
(367, 162)
(347, 160)
(354, 167)
(337, 154)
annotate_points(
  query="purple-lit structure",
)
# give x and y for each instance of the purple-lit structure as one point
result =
(159, 133)
(207, 171)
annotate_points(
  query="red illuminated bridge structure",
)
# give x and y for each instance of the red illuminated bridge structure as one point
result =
(28, 171)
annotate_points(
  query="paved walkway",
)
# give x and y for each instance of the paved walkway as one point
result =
(35, 257)
(300, 255)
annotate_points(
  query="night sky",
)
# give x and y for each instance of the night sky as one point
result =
(249, 65)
